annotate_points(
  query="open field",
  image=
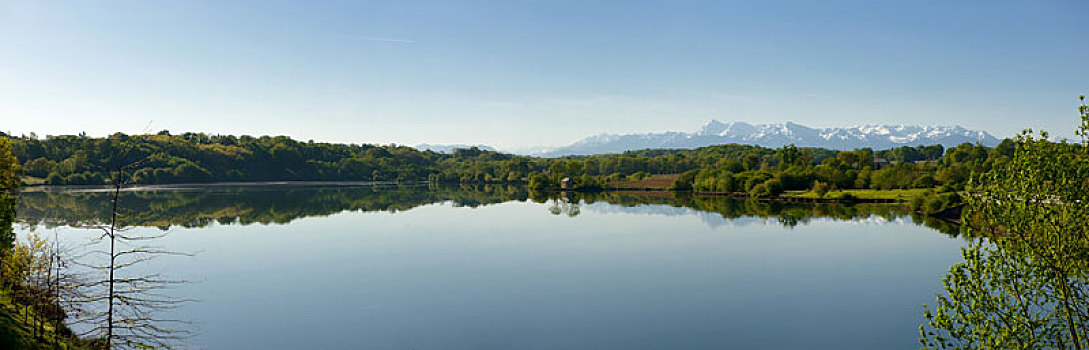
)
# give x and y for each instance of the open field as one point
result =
(33, 181)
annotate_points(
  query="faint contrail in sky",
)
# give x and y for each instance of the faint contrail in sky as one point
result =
(388, 40)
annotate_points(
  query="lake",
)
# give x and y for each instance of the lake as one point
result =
(332, 266)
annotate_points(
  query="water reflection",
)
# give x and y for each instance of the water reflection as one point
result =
(199, 206)
(643, 275)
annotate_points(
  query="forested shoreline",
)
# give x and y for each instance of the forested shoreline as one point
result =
(1006, 190)
(283, 204)
(164, 158)
(32, 314)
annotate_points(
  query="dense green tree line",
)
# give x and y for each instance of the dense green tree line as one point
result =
(190, 157)
(196, 157)
(245, 205)
(791, 168)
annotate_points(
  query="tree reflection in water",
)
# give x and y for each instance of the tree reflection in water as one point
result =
(199, 206)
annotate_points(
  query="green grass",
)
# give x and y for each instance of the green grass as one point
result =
(11, 334)
(31, 181)
(15, 333)
(903, 195)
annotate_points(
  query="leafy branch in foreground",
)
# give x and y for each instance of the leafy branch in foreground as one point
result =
(1029, 287)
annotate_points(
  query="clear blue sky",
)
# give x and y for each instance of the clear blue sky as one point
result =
(521, 73)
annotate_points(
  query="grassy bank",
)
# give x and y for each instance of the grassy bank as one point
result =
(17, 330)
(32, 181)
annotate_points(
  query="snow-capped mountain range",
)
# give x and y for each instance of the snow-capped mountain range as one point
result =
(449, 148)
(778, 135)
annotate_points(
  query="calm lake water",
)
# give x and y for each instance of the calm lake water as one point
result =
(355, 267)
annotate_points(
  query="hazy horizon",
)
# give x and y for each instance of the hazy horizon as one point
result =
(531, 75)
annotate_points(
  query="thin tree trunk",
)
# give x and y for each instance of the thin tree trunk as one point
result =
(113, 256)
(1069, 315)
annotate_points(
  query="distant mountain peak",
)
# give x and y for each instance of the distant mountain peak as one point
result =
(449, 148)
(714, 132)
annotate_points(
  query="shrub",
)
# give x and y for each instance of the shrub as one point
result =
(794, 179)
(775, 187)
(846, 196)
(820, 188)
(588, 183)
(925, 181)
(54, 179)
(917, 202)
(933, 205)
(759, 191)
(540, 182)
(768, 188)
(936, 204)
(684, 182)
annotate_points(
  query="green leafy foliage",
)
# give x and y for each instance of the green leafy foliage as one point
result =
(821, 188)
(9, 167)
(797, 169)
(1028, 288)
(991, 303)
(684, 182)
(163, 158)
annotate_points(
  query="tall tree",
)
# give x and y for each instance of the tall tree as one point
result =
(1028, 288)
(9, 168)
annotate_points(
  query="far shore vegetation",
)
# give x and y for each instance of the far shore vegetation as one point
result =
(815, 174)
(1023, 285)
(32, 312)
